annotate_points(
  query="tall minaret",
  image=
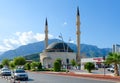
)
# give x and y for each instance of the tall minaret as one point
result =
(46, 33)
(78, 35)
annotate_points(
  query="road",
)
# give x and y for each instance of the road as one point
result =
(50, 78)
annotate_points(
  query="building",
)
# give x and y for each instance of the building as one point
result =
(60, 49)
(57, 50)
(98, 61)
(116, 48)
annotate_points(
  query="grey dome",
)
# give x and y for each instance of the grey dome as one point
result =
(58, 47)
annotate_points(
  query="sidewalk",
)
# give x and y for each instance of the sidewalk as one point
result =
(88, 75)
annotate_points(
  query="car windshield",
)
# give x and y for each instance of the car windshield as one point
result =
(5, 69)
(19, 71)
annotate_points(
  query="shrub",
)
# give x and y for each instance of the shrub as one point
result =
(27, 66)
(1, 66)
(34, 66)
(39, 66)
(12, 65)
(57, 66)
(73, 62)
(5, 62)
(89, 66)
(60, 61)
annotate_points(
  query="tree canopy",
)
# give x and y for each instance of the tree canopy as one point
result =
(19, 61)
(5, 62)
(89, 66)
(114, 58)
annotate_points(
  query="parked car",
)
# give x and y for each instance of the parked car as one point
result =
(96, 67)
(108, 69)
(19, 74)
(5, 72)
(111, 69)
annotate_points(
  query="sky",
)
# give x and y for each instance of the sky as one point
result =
(23, 21)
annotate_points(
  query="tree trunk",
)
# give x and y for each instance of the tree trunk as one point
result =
(116, 70)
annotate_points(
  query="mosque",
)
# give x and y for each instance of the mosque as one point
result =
(60, 50)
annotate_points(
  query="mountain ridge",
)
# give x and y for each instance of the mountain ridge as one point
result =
(38, 47)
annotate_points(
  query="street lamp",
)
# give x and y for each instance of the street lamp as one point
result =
(67, 60)
(104, 64)
(60, 36)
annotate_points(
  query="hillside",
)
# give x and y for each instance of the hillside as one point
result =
(34, 57)
(37, 47)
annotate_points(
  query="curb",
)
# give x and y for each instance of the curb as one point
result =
(94, 76)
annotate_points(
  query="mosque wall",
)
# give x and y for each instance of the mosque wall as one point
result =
(48, 58)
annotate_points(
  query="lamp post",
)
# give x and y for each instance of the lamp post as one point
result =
(104, 64)
(60, 36)
(67, 60)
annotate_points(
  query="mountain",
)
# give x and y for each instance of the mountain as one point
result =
(94, 51)
(1, 53)
(34, 57)
(86, 50)
(24, 50)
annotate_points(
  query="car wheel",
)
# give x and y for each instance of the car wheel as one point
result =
(112, 71)
(26, 79)
(15, 78)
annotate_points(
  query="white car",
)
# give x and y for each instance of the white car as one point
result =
(5, 72)
(19, 74)
(111, 69)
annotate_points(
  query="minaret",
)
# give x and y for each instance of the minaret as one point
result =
(78, 35)
(46, 33)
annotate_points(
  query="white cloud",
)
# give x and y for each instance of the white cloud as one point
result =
(21, 38)
(65, 23)
(72, 41)
(3, 48)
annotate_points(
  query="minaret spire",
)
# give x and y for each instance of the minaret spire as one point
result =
(78, 35)
(46, 23)
(77, 11)
(46, 33)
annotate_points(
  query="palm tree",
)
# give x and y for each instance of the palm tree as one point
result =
(114, 58)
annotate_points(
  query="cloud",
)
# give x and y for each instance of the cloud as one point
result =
(71, 41)
(65, 23)
(21, 38)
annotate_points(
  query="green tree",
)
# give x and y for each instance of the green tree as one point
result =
(114, 58)
(89, 66)
(11, 64)
(34, 66)
(19, 61)
(39, 66)
(5, 62)
(1, 66)
(57, 66)
(73, 62)
(60, 62)
(27, 66)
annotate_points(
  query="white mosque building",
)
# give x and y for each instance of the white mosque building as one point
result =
(60, 49)
(57, 50)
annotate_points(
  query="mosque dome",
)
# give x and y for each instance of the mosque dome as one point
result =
(58, 47)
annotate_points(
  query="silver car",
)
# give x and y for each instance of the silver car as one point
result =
(19, 74)
(5, 72)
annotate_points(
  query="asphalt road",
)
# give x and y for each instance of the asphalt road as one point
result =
(49, 78)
